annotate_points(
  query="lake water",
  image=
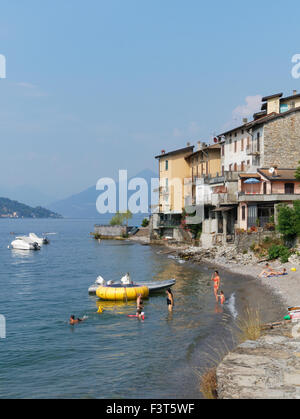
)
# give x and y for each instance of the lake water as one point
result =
(108, 355)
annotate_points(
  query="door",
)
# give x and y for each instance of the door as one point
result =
(252, 215)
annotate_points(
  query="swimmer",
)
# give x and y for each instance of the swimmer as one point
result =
(75, 321)
(222, 297)
(139, 307)
(170, 299)
(215, 277)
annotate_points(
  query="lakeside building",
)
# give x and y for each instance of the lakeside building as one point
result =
(266, 149)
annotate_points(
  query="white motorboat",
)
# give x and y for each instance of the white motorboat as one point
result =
(24, 243)
(154, 287)
(39, 240)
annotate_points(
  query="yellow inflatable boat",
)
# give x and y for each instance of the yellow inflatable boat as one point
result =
(121, 292)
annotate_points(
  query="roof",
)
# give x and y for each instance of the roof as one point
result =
(282, 174)
(249, 175)
(211, 147)
(179, 151)
(264, 119)
(264, 99)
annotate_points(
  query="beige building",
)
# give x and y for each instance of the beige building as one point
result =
(173, 170)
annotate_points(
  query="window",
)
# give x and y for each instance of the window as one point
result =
(167, 165)
(242, 166)
(222, 170)
(235, 167)
(242, 144)
(223, 150)
(265, 188)
(230, 168)
(243, 213)
(248, 162)
(289, 188)
(235, 146)
(258, 141)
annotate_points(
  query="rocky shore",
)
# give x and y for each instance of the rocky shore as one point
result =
(268, 368)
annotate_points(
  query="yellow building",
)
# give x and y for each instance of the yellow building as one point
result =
(174, 169)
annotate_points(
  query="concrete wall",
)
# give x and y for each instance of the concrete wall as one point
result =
(282, 142)
(110, 231)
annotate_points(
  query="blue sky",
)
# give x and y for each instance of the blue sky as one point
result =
(95, 86)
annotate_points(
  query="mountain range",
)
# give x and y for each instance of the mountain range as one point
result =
(83, 204)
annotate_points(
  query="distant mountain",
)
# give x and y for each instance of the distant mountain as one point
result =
(83, 204)
(15, 209)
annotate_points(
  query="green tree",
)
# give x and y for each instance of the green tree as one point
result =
(145, 222)
(120, 217)
(297, 173)
(287, 222)
(117, 219)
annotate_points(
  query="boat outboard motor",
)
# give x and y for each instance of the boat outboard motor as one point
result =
(100, 281)
(125, 280)
(36, 246)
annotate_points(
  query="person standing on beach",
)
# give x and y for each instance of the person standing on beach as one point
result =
(170, 299)
(222, 297)
(216, 278)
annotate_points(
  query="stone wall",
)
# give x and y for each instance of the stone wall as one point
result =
(110, 231)
(244, 241)
(282, 142)
(268, 368)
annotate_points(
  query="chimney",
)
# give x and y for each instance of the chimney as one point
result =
(294, 92)
(163, 151)
(245, 120)
(188, 144)
(199, 145)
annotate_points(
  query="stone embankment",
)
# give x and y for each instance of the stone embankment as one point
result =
(268, 368)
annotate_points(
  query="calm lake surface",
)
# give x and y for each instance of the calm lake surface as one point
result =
(109, 355)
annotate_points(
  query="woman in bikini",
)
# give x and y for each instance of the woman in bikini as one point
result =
(170, 299)
(216, 280)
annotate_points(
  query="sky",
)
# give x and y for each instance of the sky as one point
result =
(96, 86)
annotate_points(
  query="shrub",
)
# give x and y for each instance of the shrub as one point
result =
(145, 222)
(279, 251)
(208, 384)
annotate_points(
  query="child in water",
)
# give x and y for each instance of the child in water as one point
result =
(221, 296)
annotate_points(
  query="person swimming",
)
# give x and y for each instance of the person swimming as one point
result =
(170, 299)
(216, 278)
(140, 307)
(75, 321)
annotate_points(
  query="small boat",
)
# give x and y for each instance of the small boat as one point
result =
(24, 243)
(39, 240)
(154, 287)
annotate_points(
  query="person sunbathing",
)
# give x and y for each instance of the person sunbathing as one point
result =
(277, 273)
(268, 271)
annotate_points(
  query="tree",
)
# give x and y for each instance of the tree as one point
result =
(120, 217)
(117, 219)
(287, 221)
(127, 216)
(297, 173)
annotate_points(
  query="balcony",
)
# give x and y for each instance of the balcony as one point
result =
(249, 197)
(252, 151)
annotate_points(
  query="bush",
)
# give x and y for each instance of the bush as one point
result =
(145, 222)
(279, 252)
